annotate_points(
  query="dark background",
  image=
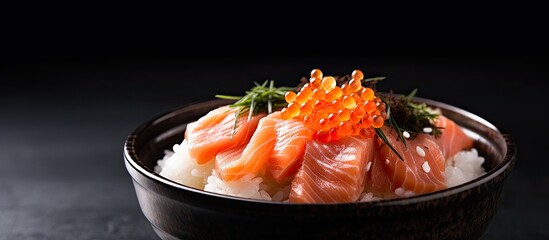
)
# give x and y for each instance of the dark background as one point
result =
(70, 96)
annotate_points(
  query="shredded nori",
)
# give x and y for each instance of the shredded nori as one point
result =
(410, 116)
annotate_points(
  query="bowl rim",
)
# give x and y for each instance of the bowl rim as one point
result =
(132, 159)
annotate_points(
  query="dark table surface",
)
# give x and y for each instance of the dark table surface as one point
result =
(63, 125)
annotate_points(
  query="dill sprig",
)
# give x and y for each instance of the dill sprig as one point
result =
(372, 80)
(260, 99)
(393, 123)
(381, 135)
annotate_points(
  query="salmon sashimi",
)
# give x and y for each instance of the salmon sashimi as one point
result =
(453, 139)
(228, 155)
(332, 172)
(291, 138)
(422, 170)
(213, 133)
(253, 157)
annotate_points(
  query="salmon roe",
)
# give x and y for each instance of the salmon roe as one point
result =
(334, 111)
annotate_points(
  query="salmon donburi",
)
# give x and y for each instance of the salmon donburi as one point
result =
(329, 140)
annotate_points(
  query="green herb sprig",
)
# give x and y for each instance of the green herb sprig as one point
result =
(260, 99)
(381, 135)
(391, 121)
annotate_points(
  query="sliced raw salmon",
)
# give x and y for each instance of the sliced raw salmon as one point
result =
(422, 170)
(212, 133)
(453, 138)
(291, 138)
(332, 172)
(253, 156)
(280, 142)
(230, 154)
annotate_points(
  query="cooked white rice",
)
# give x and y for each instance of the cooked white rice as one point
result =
(178, 166)
(248, 186)
(463, 167)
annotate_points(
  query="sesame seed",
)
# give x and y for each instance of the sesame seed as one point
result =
(400, 192)
(367, 197)
(406, 134)
(427, 130)
(420, 151)
(426, 167)
(368, 166)
(387, 162)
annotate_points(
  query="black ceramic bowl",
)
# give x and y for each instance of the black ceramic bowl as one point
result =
(179, 212)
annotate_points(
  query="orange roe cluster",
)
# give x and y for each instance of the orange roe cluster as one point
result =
(334, 111)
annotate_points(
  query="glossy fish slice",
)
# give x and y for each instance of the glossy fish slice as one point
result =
(422, 170)
(291, 139)
(332, 172)
(253, 157)
(453, 138)
(212, 133)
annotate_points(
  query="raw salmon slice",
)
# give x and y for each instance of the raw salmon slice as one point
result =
(280, 142)
(251, 157)
(227, 155)
(291, 139)
(332, 172)
(422, 170)
(212, 133)
(453, 138)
